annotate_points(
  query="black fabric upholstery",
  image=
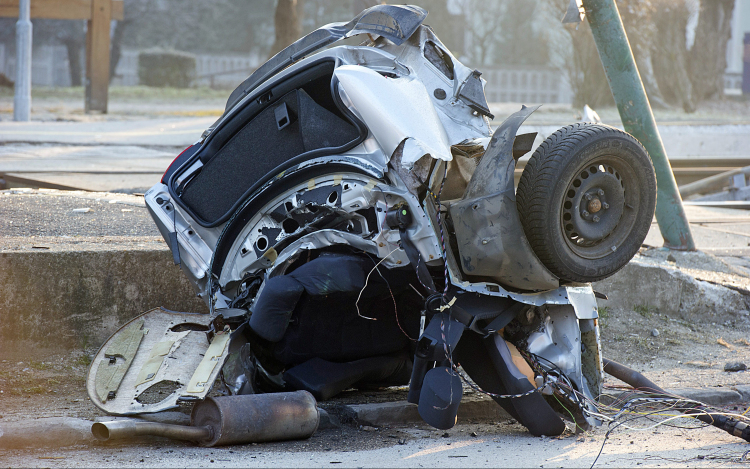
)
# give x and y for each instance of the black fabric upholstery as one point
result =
(325, 323)
(274, 306)
(259, 147)
(320, 127)
(325, 379)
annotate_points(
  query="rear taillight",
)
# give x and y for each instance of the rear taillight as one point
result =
(164, 176)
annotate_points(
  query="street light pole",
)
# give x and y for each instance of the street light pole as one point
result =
(637, 117)
(22, 98)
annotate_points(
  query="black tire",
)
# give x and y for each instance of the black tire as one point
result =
(586, 200)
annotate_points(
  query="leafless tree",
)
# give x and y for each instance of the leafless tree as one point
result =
(288, 27)
(707, 58)
(670, 53)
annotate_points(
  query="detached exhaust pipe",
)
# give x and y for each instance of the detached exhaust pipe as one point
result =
(640, 382)
(124, 429)
(228, 420)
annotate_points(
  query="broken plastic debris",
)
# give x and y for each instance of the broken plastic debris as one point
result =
(81, 210)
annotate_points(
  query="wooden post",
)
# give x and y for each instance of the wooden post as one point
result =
(97, 56)
(99, 14)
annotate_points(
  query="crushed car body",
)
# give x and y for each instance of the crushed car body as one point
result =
(352, 221)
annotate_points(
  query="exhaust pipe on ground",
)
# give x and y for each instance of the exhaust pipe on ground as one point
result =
(217, 421)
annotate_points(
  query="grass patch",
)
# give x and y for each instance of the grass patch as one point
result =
(83, 360)
(32, 390)
(603, 316)
(41, 366)
(645, 310)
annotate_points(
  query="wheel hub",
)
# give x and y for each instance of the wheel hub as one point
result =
(593, 206)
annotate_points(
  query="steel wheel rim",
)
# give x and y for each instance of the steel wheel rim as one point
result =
(606, 188)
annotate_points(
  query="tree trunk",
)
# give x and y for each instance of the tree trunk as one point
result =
(669, 53)
(287, 25)
(707, 59)
(116, 48)
(74, 47)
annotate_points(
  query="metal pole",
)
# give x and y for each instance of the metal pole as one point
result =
(637, 117)
(22, 98)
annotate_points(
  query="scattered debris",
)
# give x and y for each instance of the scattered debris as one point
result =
(81, 210)
(735, 366)
(699, 364)
(655, 332)
(742, 341)
(723, 342)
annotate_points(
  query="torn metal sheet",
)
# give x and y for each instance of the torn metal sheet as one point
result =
(381, 103)
(491, 241)
(166, 359)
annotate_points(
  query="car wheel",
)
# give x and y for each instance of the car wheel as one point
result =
(586, 200)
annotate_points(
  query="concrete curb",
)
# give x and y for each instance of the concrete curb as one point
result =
(671, 291)
(715, 396)
(403, 413)
(50, 432)
(77, 299)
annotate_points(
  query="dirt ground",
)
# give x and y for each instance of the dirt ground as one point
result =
(47, 383)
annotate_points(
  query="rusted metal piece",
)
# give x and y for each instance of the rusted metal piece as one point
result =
(595, 205)
(228, 420)
(131, 428)
(712, 183)
(257, 418)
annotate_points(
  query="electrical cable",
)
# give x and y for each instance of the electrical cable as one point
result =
(367, 280)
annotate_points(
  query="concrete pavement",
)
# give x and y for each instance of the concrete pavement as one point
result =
(128, 155)
(143, 132)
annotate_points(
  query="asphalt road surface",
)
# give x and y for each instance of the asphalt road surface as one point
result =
(501, 445)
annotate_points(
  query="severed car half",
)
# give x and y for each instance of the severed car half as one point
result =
(352, 221)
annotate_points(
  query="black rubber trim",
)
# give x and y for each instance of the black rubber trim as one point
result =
(363, 131)
(240, 219)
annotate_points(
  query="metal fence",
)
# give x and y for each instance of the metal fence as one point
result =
(526, 85)
(531, 85)
(219, 71)
(49, 65)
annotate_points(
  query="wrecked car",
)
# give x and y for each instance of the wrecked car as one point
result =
(352, 220)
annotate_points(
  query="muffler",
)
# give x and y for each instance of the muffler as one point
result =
(228, 420)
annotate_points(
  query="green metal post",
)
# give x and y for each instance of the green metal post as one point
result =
(637, 117)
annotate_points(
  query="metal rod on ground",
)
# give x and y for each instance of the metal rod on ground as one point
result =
(698, 411)
(637, 117)
(22, 97)
(717, 181)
